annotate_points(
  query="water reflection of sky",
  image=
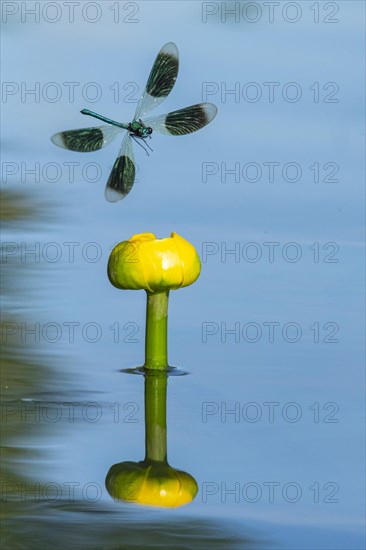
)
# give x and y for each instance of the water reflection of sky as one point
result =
(323, 380)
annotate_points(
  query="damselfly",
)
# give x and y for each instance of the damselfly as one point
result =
(184, 121)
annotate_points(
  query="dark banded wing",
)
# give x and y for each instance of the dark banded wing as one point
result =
(161, 80)
(86, 140)
(184, 121)
(122, 177)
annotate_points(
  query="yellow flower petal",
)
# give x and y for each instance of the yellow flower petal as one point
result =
(145, 262)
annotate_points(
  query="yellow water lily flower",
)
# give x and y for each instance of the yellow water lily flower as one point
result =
(155, 265)
(150, 484)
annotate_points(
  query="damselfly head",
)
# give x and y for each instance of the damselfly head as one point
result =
(143, 131)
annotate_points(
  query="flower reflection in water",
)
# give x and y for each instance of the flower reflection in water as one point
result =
(152, 481)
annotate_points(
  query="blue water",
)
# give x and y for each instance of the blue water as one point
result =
(270, 419)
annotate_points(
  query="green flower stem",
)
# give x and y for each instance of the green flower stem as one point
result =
(156, 340)
(155, 417)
